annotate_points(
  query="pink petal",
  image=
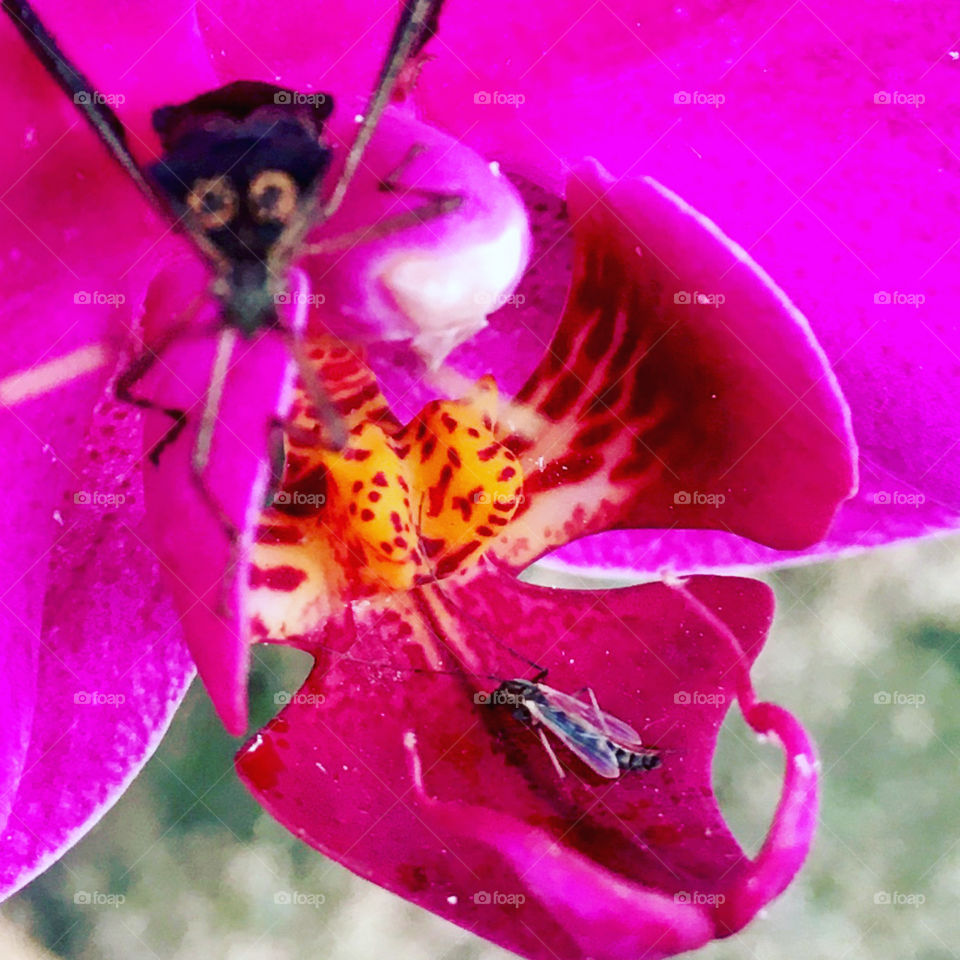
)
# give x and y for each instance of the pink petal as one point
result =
(110, 669)
(411, 782)
(206, 575)
(74, 234)
(799, 164)
(427, 280)
(18, 680)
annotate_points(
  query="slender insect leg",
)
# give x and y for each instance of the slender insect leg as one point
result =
(334, 433)
(598, 713)
(553, 757)
(75, 85)
(438, 205)
(417, 23)
(138, 368)
(200, 457)
(391, 182)
(277, 430)
(277, 456)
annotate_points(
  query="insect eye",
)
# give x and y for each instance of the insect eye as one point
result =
(273, 196)
(213, 202)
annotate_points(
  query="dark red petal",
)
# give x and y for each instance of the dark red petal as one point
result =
(679, 390)
(603, 865)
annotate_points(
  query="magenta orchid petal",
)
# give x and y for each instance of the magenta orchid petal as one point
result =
(807, 134)
(18, 684)
(111, 667)
(206, 574)
(75, 232)
(780, 128)
(414, 781)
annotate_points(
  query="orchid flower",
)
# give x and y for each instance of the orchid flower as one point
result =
(392, 563)
(715, 414)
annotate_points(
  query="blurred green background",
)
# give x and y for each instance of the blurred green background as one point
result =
(199, 864)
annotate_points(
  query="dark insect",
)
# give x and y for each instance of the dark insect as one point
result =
(603, 742)
(245, 189)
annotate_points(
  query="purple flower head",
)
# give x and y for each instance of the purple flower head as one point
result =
(681, 391)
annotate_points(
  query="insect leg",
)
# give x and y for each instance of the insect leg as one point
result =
(598, 713)
(553, 757)
(138, 368)
(200, 457)
(417, 23)
(277, 429)
(391, 182)
(439, 203)
(334, 433)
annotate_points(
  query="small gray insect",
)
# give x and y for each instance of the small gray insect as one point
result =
(604, 743)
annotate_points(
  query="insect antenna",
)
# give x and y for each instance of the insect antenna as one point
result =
(541, 671)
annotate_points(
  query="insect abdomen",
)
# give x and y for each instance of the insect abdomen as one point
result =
(631, 760)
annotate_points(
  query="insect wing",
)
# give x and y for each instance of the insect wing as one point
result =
(591, 747)
(605, 725)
